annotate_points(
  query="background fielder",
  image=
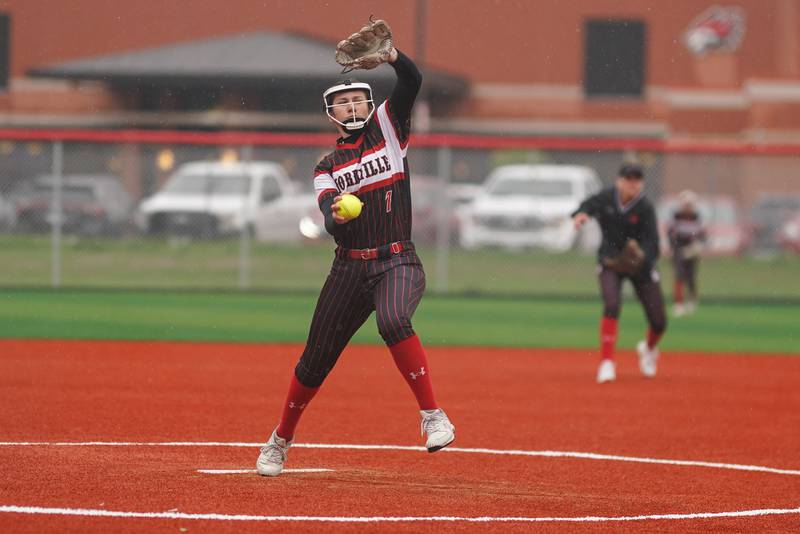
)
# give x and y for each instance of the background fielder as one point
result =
(375, 267)
(686, 234)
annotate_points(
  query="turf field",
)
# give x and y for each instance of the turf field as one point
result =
(99, 436)
(444, 321)
(215, 265)
(143, 410)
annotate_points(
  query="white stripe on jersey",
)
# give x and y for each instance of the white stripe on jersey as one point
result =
(374, 167)
(323, 182)
(395, 152)
(687, 227)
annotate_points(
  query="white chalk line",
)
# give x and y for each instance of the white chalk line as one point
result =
(379, 519)
(398, 519)
(251, 471)
(545, 454)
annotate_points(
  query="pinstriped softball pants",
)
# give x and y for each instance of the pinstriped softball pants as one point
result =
(391, 287)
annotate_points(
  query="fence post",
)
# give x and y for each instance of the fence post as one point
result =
(443, 215)
(244, 236)
(56, 214)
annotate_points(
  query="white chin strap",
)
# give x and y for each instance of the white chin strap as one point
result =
(358, 123)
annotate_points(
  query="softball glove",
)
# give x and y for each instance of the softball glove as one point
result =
(629, 261)
(367, 48)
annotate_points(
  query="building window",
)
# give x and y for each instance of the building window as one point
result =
(5, 55)
(614, 58)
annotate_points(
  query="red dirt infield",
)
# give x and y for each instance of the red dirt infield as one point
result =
(96, 434)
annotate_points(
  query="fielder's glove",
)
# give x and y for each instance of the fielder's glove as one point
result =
(367, 48)
(629, 261)
(692, 250)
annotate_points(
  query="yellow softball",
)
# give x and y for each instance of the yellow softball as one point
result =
(349, 206)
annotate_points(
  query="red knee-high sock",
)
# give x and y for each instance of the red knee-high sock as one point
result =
(410, 359)
(608, 337)
(678, 291)
(296, 401)
(652, 338)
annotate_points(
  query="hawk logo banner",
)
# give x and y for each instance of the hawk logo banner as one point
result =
(716, 29)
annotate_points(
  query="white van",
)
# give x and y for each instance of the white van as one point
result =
(212, 199)
(522, 206)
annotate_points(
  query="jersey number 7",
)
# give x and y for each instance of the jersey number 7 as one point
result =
(389, 201)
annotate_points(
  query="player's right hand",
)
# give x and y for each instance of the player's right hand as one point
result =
(338, 219)
(579, 220)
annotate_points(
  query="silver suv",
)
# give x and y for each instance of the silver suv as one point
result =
(90, 204)
(213, 199)
(523, 206)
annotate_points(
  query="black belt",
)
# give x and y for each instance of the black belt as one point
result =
(379, 253)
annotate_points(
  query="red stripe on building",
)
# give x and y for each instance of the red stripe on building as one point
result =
(425, 140)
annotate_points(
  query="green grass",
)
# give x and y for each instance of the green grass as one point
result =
(214, 265)
(444, 321)
(140, 289)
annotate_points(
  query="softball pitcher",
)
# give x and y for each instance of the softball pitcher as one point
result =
(375, 266)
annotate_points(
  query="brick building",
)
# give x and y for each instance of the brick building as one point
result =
(634, 68)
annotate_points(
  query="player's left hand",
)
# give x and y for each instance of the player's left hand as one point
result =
(692, 250)
(629, 261)
(367, 48)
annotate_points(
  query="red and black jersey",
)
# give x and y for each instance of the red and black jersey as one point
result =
(685, 229)
(372, 165)
(618, 223)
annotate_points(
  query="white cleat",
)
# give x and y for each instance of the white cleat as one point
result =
(607, 372)
(691, 307)
(679, 310)
(648, 359)
(439, 429)
(273, 456)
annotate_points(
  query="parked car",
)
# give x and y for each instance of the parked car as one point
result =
(215, 199)
(719, 214)
(430, 199)
(90, 205)
(768, 216)
(529, 206)
(790, 235)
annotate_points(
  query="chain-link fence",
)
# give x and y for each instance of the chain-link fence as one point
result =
(158, 210)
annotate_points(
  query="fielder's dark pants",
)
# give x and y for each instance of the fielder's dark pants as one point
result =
(648, 290)
(391, 287)
(686, 272)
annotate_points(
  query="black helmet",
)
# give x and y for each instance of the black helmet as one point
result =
(631, 170)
